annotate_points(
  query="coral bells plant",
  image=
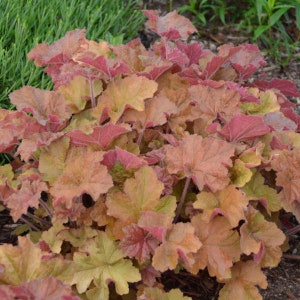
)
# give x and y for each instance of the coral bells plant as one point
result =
(147, 160)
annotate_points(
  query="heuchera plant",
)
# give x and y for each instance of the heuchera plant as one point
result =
(142, 161)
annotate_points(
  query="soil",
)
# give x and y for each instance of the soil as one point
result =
(284, 280)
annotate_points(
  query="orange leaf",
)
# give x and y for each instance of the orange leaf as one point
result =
(27, 196)
(245, 275)
(202, 159)
(48, 107)
(229, 202)
(156, 112)
(180, 242)
(138, 243)
(221, 246)
(83, 173)
(262, 238)
(213, 103)
(287, 166)
(130, 91)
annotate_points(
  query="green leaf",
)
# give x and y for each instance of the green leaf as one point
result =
(298, 15)
(260, 30)
(277, 15)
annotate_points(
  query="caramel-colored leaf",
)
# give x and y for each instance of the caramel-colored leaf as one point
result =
(262, 238)
(230, 202)
(179, 243)
(130, 91)
(83, 173)
(48, 107)
(220, 246)
(202, 159)
(287, 166)
(242, 285)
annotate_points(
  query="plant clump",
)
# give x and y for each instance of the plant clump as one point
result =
(143, 161)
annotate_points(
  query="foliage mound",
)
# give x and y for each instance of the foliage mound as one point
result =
(142, 161)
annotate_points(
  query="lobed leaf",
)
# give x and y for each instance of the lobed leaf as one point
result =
(172, 26)
(100, 262)
(202, 159)
(229, 202)
(220, 246)
(245, 276)
(82, 173)
(130, 91)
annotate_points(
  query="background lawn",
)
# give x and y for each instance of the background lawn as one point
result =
(24, 24)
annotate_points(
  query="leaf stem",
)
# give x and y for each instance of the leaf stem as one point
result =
(46, 207)
(93, 100)
(40, 220)
(139, 140)
(293, 230)
(183, 195)
(29, 224)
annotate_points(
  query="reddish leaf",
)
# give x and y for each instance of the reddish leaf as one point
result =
(141, 61)
(28, 195)
(149, 275)
(193, 51)
(156, 223)
(168, 51)
(127, 159)
(48, 107)
(138, 243)
(109, 67)
(172, 25)
(286, 87)
(48, 288)
(292, 115)
(101, 136)
(243, 128)
(247, 60)
(42, 54)
(14, 126)
(202, 159)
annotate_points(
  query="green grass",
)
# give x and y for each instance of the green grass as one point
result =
(23, 24)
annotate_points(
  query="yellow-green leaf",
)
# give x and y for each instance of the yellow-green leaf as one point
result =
(100, 261)
(130, 91)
